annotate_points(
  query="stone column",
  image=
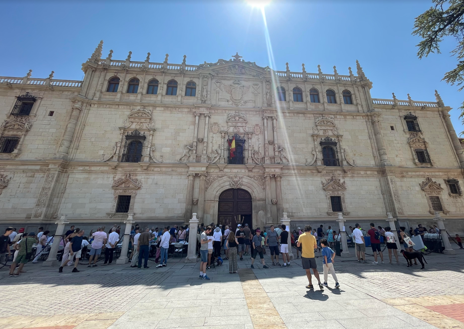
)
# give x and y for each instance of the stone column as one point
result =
(266, 142)
(453, 136)
(204, 157)
(444, 234)
(123, 259)
(69, 131)
(192, 244)
(274, 129)
(278, 180)
(379, 140)
(391, 222)
(250, 137)
(189, 197)
(51, 260)
(195, 134)
(224, 149)
(268, 198)
(201, 197)
(344, 241)
(286, 221)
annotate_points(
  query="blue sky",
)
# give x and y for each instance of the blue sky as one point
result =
(60, 36)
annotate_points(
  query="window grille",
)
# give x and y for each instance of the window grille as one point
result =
(314, 95)
(297, 95)
(172, 88)
(153, 87)
(336, 202)
(123, 203)
(8, 144)
(423, 156)
(190, 89)
(281, 94)
(134, 152)
(23, 105)
(436, 203)
(331, 97)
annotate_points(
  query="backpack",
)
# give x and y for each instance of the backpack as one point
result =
(377, 234)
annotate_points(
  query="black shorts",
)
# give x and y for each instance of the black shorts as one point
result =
(375, 247)
(308, 263)
(247, 242)
(255, 252)
(274, 250)
(392, 246)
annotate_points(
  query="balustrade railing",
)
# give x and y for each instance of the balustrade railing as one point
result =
(41, 82)
(381, 101)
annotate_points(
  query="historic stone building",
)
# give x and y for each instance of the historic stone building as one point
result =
(230, 141)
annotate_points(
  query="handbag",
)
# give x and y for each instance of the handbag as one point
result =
(408, 241)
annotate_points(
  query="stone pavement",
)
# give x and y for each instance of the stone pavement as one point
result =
(117, 296)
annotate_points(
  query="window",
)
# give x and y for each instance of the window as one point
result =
(113, 85)
(123, 203)
(347, 97)
(411, 122)
(134, 152)
(190, 89)
(453, 189)
(392, 128)
(23, 105)
(172, 88)
(8, 144)
(51, 113)
(331, 96)
(281, 94)
(422, 156)
(336, 202)
(436, 203)
(329, 156)
(297, 95)
(453, 186)
(133, 86)
(152, 87)
(314, 95)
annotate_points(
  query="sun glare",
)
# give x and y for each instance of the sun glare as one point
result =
(258, 3)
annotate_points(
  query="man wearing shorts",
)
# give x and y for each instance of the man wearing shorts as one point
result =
(99, 238)
(75, 248)
(308, 243)
(204, 252)
(241, 241)
(257, 248)
(375, 243)
(358, 238)
(284, 239)
(273, 237)
(25, 248)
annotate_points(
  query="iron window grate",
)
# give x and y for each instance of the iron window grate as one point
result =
(336, 202)
(436, 203)
(8, 145)
(123, 203)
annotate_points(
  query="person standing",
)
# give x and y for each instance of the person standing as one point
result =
(272, 241)
(13, 234)
(391, 244)
(113, 240)
(24, 253)
(320, 234)
(375, 243)
(41, 245)
(210, 248)
(75, 250)
(164, 246)
(40, 233)
(225, 237)
(241, 241)
(330, 237)
(143, 244)
(135, 256)
(328, 257)
(70, 231)
(99, 238)
(217, 238)
(284, 237)
(258, 249)
(182, 234)
(248, 238)
(232, 244)
(204, 252)
(358, 238)
(5, 246)
(308, 244)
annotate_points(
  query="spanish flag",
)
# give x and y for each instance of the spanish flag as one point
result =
(232, 148)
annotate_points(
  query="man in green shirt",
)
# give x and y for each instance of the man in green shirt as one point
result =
(24, 253)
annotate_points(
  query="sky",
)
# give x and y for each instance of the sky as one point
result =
(61, 35)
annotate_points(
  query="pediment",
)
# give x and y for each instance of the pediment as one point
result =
(430, 185)
(127, 183)
(234, 68)
(333, 184)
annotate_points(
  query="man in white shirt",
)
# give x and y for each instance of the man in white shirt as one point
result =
(40, 233)
(113, 240)
(217, 239)
(13, 234)
(358, 238)
(135, 256)
(164, 245)
(99, 238)
(40, 245)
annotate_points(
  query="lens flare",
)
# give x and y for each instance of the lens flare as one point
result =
(258, 3)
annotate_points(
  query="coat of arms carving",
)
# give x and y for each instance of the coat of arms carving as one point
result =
(237, 92)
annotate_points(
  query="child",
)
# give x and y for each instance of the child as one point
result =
(458, 240)
(328, 256)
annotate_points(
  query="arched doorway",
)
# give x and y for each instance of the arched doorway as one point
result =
(235, 207)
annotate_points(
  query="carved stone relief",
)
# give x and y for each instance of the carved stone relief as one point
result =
(4, 180)
(333, 186)
(236, 181)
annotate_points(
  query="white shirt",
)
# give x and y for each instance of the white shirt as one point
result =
(39, 235)
(12, 236)
(210, 242)
(357, 235)
(85, 243)
(136, 239)
(165, 240)
(113, 239)
(226, 233)
(390, 237)
(217, 236)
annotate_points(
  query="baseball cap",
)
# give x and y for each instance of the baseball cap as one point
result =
(31, 234)
(21, 230)
(239, 225)
(258, 231)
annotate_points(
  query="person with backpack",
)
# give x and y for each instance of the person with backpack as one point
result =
(375, 243)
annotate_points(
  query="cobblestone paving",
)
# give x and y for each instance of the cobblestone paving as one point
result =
(391, 296)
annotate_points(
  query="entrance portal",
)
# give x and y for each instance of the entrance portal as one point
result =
(235, 207)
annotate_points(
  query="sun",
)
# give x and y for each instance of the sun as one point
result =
(258, 3)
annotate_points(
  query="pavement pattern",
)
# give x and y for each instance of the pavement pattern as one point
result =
(117, 296)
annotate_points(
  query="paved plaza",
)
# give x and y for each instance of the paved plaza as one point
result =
(117, 296)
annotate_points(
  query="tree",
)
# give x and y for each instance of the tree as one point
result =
(445, 19)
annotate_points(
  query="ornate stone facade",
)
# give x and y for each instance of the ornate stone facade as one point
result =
(83, 143)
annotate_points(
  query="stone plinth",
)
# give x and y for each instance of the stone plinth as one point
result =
(192, 246)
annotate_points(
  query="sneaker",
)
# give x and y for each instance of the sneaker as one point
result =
(337, 285)
(75, 270)
(382, 262)
(159, 266)
(94, 265)
(309, 286)
(265, 266)
(206, 277)
(60, 270)
(164, 265)
(285, 265)
(375, 263)
(252, 266)
(200, 276)
(321, 286)
(278, 264)
(11, 275)
(133, 266)
(326, 285)
(208, 268)
(288, 264)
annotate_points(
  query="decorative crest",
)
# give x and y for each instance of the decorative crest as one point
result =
(236, 182)
(430, 187)
(237, 57)
(96, 56)
(127, 183)
(4, 180)
(333, 184)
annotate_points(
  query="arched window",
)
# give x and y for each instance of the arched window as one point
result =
(152, 87)
(190, 89)
(329, 156)
(297, 95)
(331, 96)
(133, 86)
(113, 85)
(172, 88)
(281, 94)
(134, 152)
(347, 97)
(314, 95)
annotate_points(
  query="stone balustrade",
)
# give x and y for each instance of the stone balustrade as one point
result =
(41, 82)
(382, 101)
